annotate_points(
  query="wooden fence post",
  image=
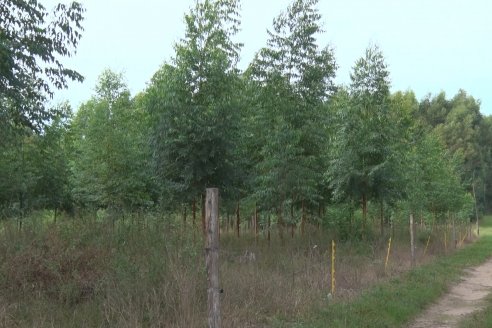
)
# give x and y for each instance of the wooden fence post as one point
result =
(212, 256)
(412, 241)
(333, 281)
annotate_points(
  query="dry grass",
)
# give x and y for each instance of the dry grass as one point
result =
(151, 274)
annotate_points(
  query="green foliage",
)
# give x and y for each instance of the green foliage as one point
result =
(465, 133)
(280, 137)
(292, 79)
(110, 156)
(432, 177)
(34, 168)
(31, 49)
(363, 156)
(194, 107)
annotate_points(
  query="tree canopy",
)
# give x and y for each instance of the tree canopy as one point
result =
(33, 42)
(281, 136)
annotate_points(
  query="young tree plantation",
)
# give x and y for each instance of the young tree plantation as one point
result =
(290, 150)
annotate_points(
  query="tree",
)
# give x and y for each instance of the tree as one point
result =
(34, 168)
(110, 156)
(363, 159)
(460, 126)
(193, 102)
(52, 156)
(486, 157)
(31, 49)
(433, 111)
(293, 78)
(460, 132)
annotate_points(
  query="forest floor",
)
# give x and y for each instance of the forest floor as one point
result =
(463, 299)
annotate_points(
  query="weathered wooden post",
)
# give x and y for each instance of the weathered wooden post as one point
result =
(212, 256)
(333, 268)
(412, 241)
(256, 224)
(476, 208)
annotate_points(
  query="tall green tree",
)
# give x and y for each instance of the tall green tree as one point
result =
(460, 126)
(293, 78)
(110, 154)
(34, 168)
(53, 182)
(363, 159)
(460, 132)
(194, 105)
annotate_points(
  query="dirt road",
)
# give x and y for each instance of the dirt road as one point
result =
(464, 298)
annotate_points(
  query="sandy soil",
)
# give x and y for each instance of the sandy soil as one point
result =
(464, 298)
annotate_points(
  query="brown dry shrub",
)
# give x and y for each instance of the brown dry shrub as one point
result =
(55, 267)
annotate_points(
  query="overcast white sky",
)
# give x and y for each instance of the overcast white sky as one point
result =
(429, 45)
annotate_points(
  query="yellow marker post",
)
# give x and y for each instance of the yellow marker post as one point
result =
(464, 237)
(333, 268)
(387, 255)
(427, 244)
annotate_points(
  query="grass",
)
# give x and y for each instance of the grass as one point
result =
(148, 271)
(396, 302)
(480, 319)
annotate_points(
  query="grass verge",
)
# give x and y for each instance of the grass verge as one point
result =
(397, 301)
(480, 319)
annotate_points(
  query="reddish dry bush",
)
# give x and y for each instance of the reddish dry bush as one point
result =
(56, 268)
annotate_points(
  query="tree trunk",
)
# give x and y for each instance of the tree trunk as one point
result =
(280, 224)
(303, 218)
(381, 217)
(412, 241)
(364, 214)
(193, 211)
(292, 219)
(54, 215)
(455, 239)
(203, 215)
(238, 220)
(476, 208)
(256, 224)
(21, 208)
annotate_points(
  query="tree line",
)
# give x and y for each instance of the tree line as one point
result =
(280, 136)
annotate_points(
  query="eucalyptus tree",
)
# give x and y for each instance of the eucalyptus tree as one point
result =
(486, 156)
(109, 150)
(32, 45)
(34, 167)
(18, 173)
(434, 110)
(364, 161)
(293, 78)
(52, 188)
(460, 132)
(432, 180)
(193, 100)
(459, 125)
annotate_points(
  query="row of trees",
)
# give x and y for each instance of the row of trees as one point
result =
(280, 134)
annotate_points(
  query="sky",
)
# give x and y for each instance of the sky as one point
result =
(429, 45)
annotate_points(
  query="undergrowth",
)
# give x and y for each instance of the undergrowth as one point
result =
(148, 271)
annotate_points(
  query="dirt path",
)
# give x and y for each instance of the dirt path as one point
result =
(464, 298)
